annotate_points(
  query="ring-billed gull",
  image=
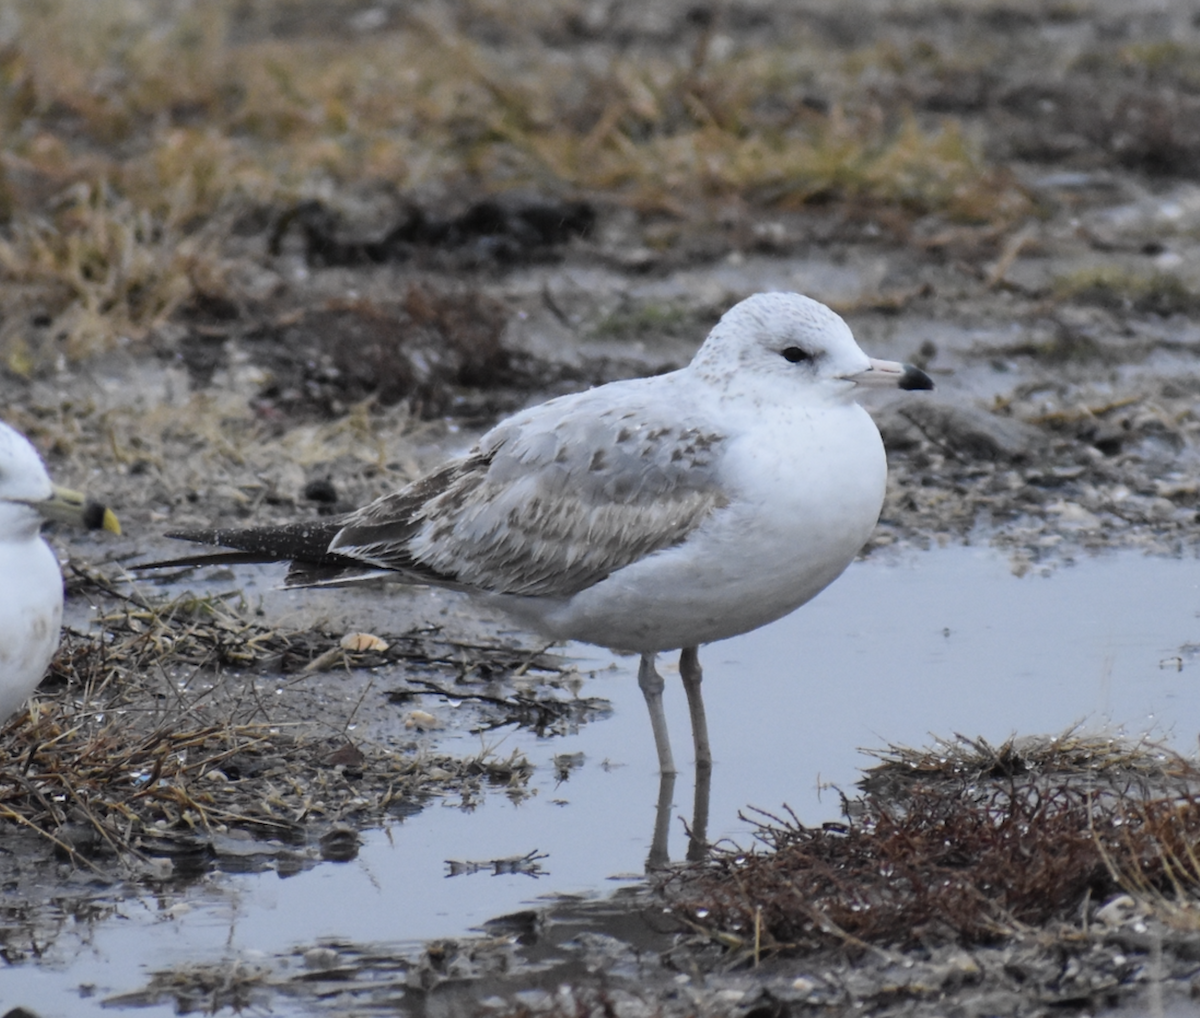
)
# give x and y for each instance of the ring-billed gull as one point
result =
(31, 588)
(644, 515)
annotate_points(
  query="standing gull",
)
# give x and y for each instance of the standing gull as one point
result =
(31, 588)
(645, 515)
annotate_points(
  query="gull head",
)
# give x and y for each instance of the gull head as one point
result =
(798, 342)
(28, 497)
(22, 476)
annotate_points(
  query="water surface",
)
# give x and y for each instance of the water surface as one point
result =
(936, 643)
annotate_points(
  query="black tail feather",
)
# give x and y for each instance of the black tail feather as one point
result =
(306, 542)
(204, 558)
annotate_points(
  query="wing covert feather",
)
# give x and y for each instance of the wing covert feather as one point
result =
(549, 502)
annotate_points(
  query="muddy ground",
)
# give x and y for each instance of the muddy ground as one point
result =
(337, 338)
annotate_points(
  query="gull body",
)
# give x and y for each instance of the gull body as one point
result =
(31, 589)
(800, 486)
(31, 604)
(644, 515)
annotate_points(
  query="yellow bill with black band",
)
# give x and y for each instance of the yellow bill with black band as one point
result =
(73, 508)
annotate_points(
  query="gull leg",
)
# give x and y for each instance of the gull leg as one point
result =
(689, 671)
(697, 848)
(658, 857)
(651, 684)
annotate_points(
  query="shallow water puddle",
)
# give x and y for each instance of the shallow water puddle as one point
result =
(943, 642)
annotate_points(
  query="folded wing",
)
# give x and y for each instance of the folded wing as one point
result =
(550, 502)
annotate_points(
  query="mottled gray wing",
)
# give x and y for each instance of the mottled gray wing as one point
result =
(549, 502)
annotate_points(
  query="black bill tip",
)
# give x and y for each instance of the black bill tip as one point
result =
(99, 517)
(915, 378)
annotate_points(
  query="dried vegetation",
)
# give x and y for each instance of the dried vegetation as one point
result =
(323, 361)
(964, 844)
(170, 724)
(145, 143)
(1157, 293)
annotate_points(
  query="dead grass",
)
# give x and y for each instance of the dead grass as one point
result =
(208, 455)
(1117, 289)
(962, 844)
(198, 987)
(329, 359)
(134, 133)
(1156, 62)
(158, 734)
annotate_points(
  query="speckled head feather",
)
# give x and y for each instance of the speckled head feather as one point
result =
(752, 335)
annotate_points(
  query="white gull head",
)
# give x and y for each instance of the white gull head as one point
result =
(23, 482)
(799, 342)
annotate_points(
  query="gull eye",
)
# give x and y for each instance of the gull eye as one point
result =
(793, 354)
